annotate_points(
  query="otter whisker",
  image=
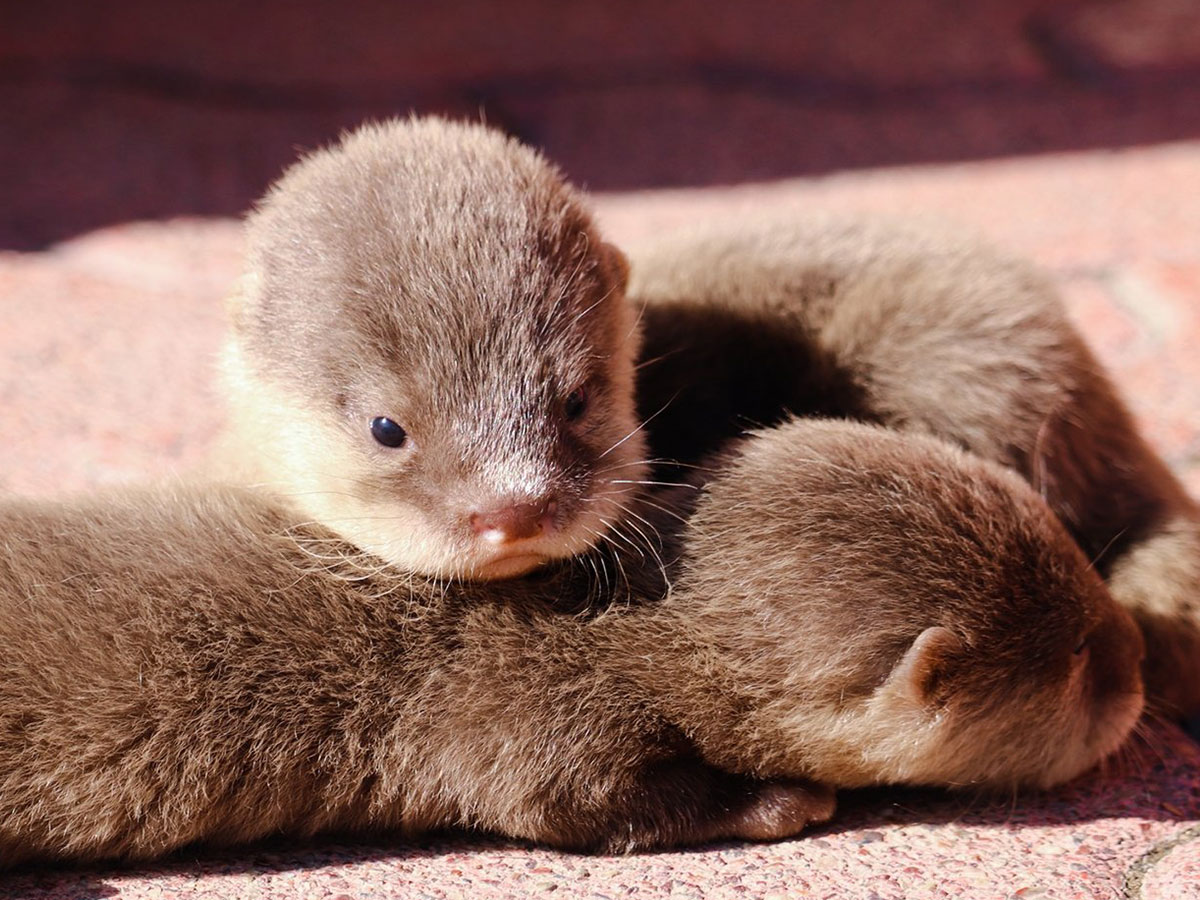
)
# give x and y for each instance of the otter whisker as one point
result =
(583, 313)
(1092, 563)
(671, 484)
(665, 510)
(651, 546)
(640, 426)
(657, 359)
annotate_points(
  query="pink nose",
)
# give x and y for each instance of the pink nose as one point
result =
(515, 522)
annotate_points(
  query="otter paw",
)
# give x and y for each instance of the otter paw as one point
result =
(781, 809)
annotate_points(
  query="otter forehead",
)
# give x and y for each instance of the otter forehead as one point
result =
(442, 195)
(422, 233)
(467, 238)
(476, 302)
(481, 389)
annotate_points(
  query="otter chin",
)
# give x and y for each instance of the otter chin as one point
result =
(431, 353)
(510, 566)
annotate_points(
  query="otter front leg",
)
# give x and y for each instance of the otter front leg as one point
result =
(683, 802)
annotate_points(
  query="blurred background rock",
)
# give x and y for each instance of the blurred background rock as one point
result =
(147, 109)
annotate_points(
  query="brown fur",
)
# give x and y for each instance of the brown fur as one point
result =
(849, 606)
(446, 277)
(927, 331)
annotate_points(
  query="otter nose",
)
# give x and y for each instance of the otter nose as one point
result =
(513, 522)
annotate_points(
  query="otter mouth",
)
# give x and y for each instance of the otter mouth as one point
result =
(494, 561)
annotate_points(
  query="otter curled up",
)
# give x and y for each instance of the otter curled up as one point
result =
(923, 329)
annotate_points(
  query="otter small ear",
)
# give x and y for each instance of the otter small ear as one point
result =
(920, 673)
(616, 267)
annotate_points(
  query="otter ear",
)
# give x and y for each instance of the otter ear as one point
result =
(921, 672)
(616, 267)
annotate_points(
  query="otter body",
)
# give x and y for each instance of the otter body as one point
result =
(847, 606)
(431, 353)
(923, 330)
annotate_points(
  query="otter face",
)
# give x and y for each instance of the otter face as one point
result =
(486, 452)
(1036, 713)
(962, 707)
(429, 308)
(906, 613)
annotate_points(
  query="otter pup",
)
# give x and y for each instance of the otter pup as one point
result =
(432, 355)
(923, 330)
(849, 606)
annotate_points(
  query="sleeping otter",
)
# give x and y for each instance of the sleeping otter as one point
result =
(924, 330)
(845, 605)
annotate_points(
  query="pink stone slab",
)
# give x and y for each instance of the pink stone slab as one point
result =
(106, 344)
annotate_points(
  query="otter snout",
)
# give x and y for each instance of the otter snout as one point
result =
(509, 522)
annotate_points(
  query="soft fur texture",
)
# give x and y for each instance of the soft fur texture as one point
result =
(930, 331)
(846, 606)
(445, 277)
(850, 606)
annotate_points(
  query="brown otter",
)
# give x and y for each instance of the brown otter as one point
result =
(432, 354)
(925, 330)
(849, 605)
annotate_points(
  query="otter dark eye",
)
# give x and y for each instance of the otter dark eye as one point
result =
(387, 432)
(1081, 646)
(575, 403)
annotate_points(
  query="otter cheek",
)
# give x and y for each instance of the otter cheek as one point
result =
(398, 533)
(618, 471)
(1072, 754)
(1112, 696)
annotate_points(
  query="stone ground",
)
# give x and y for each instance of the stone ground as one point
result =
(1069, 132)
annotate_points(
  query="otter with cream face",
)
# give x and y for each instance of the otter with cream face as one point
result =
(432, 355)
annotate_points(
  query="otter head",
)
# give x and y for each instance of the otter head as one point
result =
(1020, 698)
(888, 609)
(432, 354)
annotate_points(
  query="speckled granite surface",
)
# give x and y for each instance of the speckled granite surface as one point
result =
(106, 343)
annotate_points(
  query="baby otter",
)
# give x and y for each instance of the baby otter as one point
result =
(850, 606)
(925, 330)
(432, 354)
